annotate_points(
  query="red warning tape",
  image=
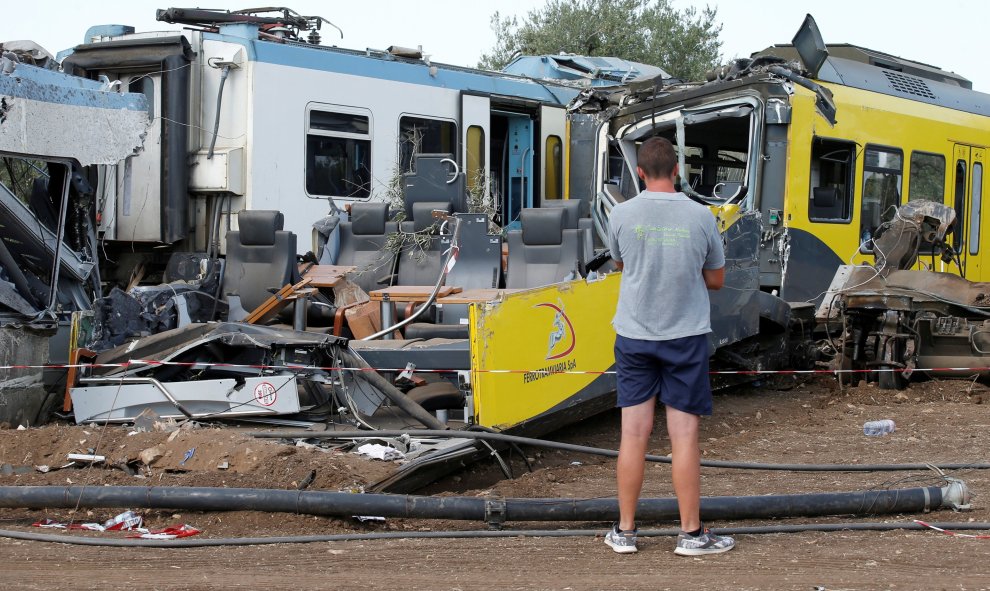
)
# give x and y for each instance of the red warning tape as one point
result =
(293, 367)
(951, 533)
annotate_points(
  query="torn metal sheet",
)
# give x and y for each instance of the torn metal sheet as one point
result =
(51, 114)
(214, 399)
(175, 345)
(212, 371)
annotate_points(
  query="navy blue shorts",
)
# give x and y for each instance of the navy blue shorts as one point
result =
(675, 371)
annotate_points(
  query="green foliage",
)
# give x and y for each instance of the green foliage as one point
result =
(18, 175)
(684, 43)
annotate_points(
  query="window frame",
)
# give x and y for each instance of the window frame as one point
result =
(910, 191)
(850, 196)
(407, 167)
(368, 137)
(865, 245)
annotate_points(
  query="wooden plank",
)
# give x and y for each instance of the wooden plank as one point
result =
(411, 293)
(273, 305)
(327, 275)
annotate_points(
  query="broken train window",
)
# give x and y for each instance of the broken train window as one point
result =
(338, 152)
(31, 201)
(831, 180)
(882, 169)
(717, 149)
(419, 135)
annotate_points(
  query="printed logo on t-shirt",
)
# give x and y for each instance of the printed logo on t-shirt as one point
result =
(662, 235)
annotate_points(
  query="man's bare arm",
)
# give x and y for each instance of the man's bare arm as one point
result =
(714, 278)
(618, 264)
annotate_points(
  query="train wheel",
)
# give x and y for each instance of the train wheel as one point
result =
(893, 376)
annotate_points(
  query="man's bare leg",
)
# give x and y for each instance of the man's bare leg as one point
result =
(637, 425)
(685, 456)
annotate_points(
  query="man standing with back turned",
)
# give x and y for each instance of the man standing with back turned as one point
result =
(670, 254)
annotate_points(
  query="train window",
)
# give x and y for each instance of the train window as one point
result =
(338, 153)
(976, 209)
(554, 167)
(831, 180)
(882, 170)
(338, 122)
(927, 177)
(475, 158)
(419, 135)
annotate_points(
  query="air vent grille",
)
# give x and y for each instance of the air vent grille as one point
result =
(908, 84)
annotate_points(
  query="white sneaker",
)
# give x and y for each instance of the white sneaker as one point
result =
(706, 543)
(623, 542)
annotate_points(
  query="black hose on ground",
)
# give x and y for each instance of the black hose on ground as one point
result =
(502, 437)
(402, 401)
(541, 533)
(875, 502)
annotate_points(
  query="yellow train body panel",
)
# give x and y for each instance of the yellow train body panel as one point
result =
(541, 351)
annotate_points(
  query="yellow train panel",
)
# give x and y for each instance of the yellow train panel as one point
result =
(530, 351)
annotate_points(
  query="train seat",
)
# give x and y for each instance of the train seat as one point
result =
(575, 220)
(432, 181)
(261, 257)
(420, 258)
(362, 244)
(542, 252)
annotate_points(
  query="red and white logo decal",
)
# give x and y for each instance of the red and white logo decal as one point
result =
(265, 394)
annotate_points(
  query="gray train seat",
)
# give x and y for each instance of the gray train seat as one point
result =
(574, 219)
(362, 244)
(479, 258)
(261, 257)
(433, 181)
(421, 258)
(478, 266)
(542, 252)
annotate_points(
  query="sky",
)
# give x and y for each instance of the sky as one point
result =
(944, 34)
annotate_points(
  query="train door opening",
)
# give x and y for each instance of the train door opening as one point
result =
(512, 164)
(967, 200)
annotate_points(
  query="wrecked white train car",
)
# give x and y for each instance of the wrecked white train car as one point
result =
(251, 112)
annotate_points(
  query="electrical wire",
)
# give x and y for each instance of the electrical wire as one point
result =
(481, 534)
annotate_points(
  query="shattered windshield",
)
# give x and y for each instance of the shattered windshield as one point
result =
(713, 148)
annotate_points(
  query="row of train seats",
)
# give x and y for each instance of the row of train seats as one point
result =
(383, 256)
(551, 245)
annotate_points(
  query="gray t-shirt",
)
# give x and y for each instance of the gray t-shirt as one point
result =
(664, 241)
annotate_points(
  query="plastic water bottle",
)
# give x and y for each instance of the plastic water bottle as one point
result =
(878, 428)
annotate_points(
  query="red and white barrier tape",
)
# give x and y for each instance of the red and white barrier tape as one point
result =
(951, 533)
(291, 367)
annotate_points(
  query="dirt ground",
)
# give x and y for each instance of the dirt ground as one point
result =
(783, 420)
